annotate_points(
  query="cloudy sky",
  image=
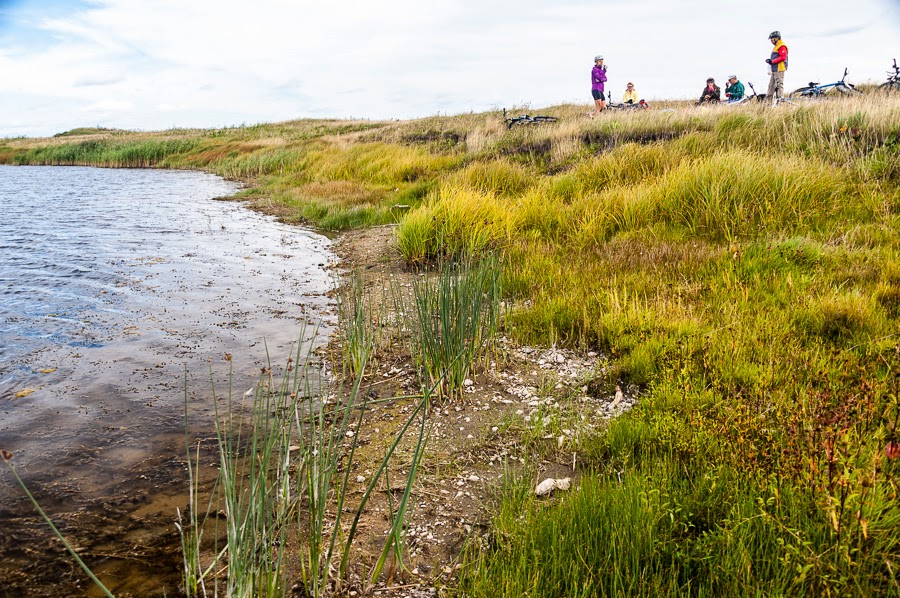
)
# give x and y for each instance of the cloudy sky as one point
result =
(156, 64)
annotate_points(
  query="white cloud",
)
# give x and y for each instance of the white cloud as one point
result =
(108, 106)
(151, 64)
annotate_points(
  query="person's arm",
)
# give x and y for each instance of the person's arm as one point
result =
(602, 75)
(717, 93)
(738, 90)
(782, 55)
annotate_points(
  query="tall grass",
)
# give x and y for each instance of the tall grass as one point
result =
(357, 331)
(457, 314)
(286, 454)
(257, 483)
(116, 154)
(664, 531)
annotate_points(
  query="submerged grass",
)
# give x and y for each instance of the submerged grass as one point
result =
(7, 460)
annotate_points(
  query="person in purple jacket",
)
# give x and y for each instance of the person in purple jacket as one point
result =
(598, 78)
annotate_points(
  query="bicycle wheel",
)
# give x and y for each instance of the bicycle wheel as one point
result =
(846, 89)
(890, 86)
(803, 92)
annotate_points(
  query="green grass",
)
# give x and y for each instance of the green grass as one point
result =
(739, 266)
(457, 312)
(664, 530)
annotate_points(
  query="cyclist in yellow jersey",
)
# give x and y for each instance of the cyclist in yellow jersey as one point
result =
(630, 96)
(778, 62)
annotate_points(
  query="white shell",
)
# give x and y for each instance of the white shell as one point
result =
(548, 485)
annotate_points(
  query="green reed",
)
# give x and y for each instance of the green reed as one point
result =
(457, 314)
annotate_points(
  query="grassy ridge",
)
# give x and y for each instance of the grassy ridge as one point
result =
(741, 265)
(745, 273)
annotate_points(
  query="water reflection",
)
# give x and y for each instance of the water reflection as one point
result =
(113, 284)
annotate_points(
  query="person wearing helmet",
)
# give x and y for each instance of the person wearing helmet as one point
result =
(711, 93)
(598, 79)
(734, 91)
(778, 61)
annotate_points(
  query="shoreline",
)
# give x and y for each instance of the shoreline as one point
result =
(476, 440)
(738, 267)
(96, 422)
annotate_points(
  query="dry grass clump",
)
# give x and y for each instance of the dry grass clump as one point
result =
(342, 192)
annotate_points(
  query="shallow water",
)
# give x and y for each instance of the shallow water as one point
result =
(118, 289)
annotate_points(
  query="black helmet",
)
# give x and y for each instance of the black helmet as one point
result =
(710, 80)
(775, 35)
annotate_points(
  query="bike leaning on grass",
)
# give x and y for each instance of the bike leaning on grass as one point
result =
(893, 80)
(815, 90)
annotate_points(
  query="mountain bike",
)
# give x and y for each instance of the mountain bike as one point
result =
(526, 119)
(893, 80)
(814, 90)
(641, 105)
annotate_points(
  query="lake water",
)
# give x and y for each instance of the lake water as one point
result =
(118, 290)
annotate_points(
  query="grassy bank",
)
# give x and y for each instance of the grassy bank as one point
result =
(741, 265)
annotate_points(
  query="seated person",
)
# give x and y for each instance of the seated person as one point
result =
(734, 91)
(630, 96)
(711, 93)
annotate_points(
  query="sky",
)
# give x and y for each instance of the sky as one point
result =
(158, 64)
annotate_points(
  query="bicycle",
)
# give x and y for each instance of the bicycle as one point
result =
(526, 119)
(893, 80)
(814, 90)
(641, 105)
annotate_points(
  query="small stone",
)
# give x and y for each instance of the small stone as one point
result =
(550, 484)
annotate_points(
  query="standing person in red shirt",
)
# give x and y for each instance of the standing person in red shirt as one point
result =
(598, 79)
(779, 63)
